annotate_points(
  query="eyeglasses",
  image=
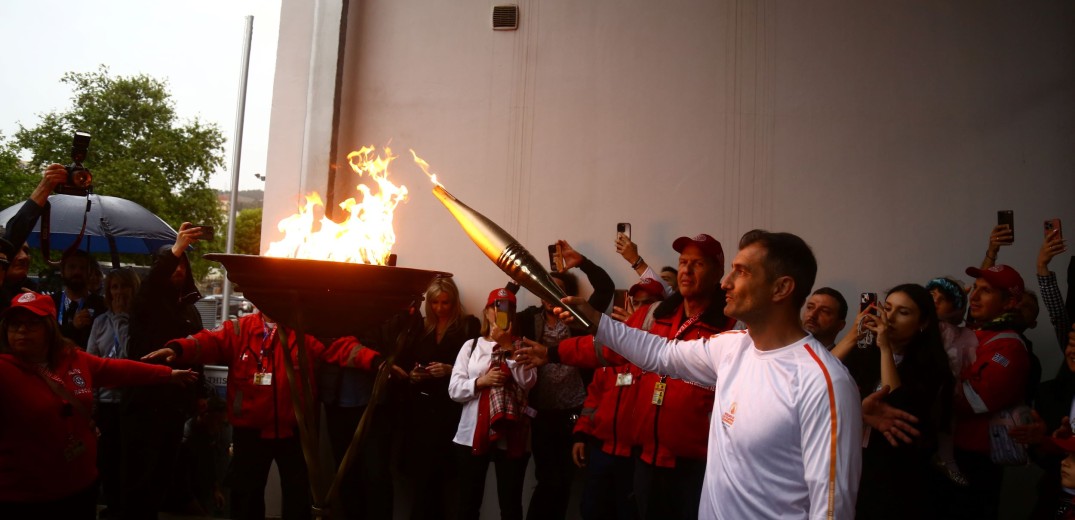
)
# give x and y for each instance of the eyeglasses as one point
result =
(27, 323)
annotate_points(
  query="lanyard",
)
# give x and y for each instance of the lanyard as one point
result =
(63, 305)
(266, 345)
(686, 325)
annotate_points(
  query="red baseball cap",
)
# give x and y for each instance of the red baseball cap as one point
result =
(500, 294)
(648, 285)
(38, 304)
(709, 246)
(1065, 443)
(1001, 276)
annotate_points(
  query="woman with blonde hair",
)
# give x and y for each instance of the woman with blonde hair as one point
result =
(495, 423)
(428, 416)
(108, 339)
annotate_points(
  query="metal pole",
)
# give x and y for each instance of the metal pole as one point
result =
(236, 159)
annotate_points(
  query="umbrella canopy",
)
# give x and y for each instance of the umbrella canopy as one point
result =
(134, 229)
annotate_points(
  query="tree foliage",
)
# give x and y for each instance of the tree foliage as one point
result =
(140, 150)
(248, 232)
(16, 182)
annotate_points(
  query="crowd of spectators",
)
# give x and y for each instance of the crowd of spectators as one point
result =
(944, 391)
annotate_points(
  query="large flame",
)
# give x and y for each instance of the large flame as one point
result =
(365, 236)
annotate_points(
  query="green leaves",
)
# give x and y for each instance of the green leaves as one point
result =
(140, 150)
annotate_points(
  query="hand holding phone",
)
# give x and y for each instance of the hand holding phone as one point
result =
(866, 336)
(623, 228)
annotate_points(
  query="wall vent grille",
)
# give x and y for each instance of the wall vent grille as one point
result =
(505, 17)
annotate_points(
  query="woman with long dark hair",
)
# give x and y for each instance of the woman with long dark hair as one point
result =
(909, 358)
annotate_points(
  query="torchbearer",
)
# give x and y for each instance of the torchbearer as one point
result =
(786, 427)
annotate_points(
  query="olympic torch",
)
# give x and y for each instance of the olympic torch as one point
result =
(506, 252)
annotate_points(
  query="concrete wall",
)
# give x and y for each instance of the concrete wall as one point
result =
(886, 134)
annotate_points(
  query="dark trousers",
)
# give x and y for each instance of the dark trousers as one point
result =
(509, 482)
(150, 448)
(79, 506)
(981, 499)
(609, 491)
(109, 452)
(551, 441)
(668, 493)
(366, 489)
(250, 464)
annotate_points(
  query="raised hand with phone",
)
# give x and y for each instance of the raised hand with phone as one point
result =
(1003, 234)
(1052, 246)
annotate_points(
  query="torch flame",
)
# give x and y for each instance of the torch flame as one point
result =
(425, 168)
(366, 236)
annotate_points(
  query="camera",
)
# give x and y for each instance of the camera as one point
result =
(79, 179)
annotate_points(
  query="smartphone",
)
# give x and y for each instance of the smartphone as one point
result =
(623, 228)
(619, 298)
(208, 232)
(1053, 224)
(503, 314)
(556, 258)
(866, 299)
(1007, 217)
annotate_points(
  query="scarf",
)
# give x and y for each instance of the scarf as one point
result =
(501, 413)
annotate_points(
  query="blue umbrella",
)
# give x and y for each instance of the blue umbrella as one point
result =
(127, 225)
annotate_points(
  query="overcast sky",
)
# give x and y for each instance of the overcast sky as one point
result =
(194, 45)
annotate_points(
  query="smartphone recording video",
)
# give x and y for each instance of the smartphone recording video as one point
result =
(623, 228)
(1051, 225)
(1006, 217)
(866, 299)
(504, 312)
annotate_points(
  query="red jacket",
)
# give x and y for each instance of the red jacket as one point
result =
(34, 424)
(266, 407)
(607, 412)
(996, 380)
(680, 426)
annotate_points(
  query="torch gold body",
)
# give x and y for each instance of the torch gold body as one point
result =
(507, 253)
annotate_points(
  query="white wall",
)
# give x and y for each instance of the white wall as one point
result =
(887, 134)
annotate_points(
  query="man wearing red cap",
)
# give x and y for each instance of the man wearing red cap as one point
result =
(670, 415)
(995, 381)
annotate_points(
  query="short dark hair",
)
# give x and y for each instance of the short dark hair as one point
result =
(76, 253)
(669, 269)
(785, 255)
(571, 283)
(841, 302)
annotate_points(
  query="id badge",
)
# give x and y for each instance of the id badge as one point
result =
(658, 393)
(263, 378)
(624, 379)
(74, 448)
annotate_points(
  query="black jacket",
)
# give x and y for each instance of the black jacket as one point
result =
(530, 319)
(161, 312)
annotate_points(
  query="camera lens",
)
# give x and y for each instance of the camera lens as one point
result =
(82, 179)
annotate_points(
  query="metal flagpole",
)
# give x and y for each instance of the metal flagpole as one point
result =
(236, 156)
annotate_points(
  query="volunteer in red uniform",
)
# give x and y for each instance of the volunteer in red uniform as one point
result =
(260, 408)
(48, 447)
